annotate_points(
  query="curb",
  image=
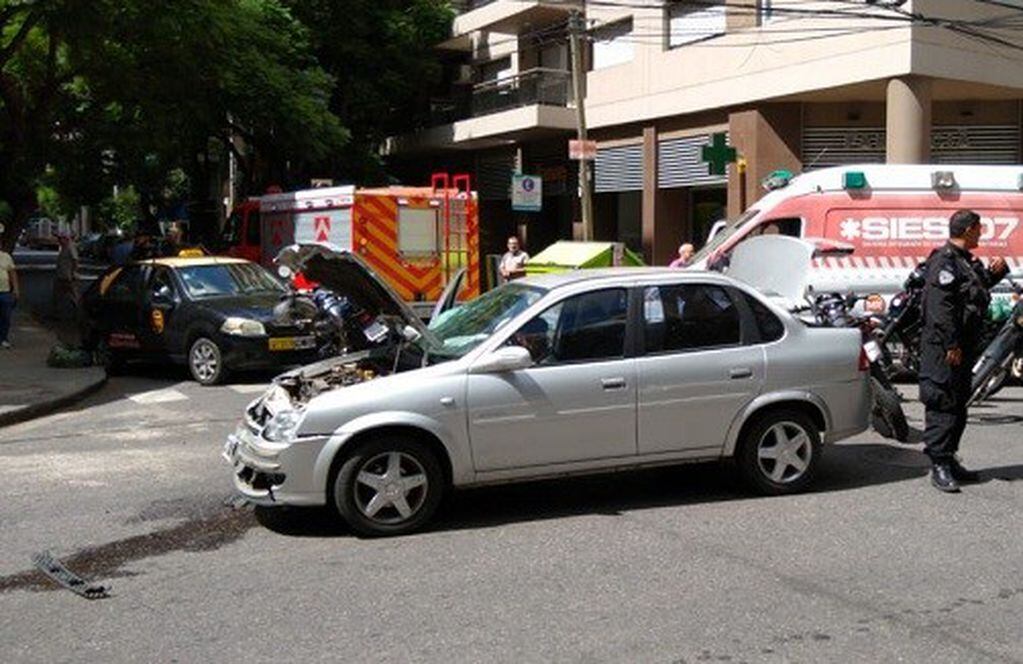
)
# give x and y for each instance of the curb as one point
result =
(49, 407)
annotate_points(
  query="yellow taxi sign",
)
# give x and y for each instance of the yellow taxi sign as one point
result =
(193, 252)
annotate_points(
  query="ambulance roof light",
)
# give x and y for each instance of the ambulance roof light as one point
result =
(854, 180)
(943, 179)
(776, 180)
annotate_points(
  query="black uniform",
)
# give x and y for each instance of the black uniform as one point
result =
(955, 303)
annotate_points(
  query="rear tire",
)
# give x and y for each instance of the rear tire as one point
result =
(388, 486)
(887, 416)
(109, 359)
(779, 452)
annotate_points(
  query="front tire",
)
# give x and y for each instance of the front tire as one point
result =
(389, 486)
(206, 362)
(779, 452)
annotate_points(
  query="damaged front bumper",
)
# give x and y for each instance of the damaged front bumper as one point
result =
(272, 474)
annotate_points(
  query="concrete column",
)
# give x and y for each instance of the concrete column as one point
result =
(908, 113)
(769, 138)
(649, 205)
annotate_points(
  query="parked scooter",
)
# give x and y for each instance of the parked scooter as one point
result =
(836, 310)
(1002, 356)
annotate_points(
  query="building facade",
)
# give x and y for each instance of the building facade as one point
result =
(792, 84)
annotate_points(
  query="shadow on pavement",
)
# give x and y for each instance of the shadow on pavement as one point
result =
(844, 467)
(1003, 473)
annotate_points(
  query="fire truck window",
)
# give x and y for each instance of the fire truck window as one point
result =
(418, 231)
(252, 229)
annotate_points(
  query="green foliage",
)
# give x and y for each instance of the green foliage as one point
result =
(120, 210)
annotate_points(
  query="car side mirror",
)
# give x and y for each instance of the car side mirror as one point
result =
(163, 295)
(506, 358)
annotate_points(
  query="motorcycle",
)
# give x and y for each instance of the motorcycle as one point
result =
(899, 330)
(836, 310)
(1002, 356)
(337, 325)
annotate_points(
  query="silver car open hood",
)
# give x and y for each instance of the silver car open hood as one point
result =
(776, 265)
(348, 275)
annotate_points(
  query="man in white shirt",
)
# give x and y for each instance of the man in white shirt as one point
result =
(513, 263)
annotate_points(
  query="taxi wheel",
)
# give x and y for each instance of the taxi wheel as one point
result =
(206, 362)
(109, 359)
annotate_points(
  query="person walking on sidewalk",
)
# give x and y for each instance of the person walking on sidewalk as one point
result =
(9, 292)
(65, 283)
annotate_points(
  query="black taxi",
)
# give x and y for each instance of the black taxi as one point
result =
(214, 314)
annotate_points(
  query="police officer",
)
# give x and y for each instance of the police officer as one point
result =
(955, 302)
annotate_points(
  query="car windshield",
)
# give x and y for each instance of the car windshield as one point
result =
(725, 233)
(460, 330)
(203, 281)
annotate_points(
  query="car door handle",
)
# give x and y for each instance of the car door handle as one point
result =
(613, 383)
(740, 372)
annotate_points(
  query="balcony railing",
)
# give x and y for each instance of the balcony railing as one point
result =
(548, 87)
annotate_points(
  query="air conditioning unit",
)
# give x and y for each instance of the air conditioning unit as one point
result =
(463, 75)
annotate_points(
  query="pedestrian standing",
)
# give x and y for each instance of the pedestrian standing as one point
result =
(10, 291)
(65, 282)
(685, 256)
(955, 303)
(513, 262)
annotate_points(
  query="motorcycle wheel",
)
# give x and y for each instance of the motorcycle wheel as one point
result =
(887, 416)
(1016, 368)
(988, 380)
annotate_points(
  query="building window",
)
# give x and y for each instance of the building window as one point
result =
(688, 23)
(612, 44)
(495, 70)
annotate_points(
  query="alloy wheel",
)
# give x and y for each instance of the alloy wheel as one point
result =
(390, 488)
(784, 452)
(205, 360)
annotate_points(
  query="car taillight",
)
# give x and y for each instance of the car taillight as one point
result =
(864, 360)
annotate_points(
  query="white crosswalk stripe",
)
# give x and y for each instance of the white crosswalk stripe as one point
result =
(158, 396)
(249, 388)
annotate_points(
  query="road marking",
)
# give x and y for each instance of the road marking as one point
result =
(248, 388)
(158, 396)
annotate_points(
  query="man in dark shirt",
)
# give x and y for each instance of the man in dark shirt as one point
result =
(955, 304)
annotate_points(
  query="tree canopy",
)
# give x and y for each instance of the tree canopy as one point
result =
(98, 93)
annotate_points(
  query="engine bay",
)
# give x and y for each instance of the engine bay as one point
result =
(305, 384)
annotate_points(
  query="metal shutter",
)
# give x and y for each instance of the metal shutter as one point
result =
(680, 163)
(494, 175)
(619, 169)
(950, 144)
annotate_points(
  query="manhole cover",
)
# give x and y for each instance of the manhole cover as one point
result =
(900, 457)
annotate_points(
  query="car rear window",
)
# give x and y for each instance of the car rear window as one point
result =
(683, 317)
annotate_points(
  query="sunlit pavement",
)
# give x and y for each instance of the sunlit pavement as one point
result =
(666, 565)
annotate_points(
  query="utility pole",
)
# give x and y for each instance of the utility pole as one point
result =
(576, 28)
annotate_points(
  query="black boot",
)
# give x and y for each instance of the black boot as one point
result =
(962, 474)
(942, 478)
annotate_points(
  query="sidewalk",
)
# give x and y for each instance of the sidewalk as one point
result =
(29, 388)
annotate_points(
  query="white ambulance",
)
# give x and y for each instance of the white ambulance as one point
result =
(892, 216)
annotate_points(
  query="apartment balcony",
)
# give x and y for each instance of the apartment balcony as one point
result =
(530, 105)
(508, 16)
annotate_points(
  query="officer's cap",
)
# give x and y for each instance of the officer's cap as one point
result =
(961, 221)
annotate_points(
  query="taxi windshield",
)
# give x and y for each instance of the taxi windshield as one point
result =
(725, 233)
(202, 281)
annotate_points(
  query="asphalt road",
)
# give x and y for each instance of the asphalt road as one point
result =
(671, 565)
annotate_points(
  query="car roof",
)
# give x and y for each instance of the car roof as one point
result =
(189, 261)
(620, 276)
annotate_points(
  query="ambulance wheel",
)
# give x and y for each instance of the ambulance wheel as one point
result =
(206, 362)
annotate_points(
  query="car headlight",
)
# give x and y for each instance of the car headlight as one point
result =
(282, 426)
(243, 327)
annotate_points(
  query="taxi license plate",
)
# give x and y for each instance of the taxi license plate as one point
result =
(291, 343)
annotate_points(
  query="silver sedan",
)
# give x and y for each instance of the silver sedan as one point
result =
(584, 372)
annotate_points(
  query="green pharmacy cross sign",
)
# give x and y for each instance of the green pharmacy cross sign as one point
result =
(718, 154)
